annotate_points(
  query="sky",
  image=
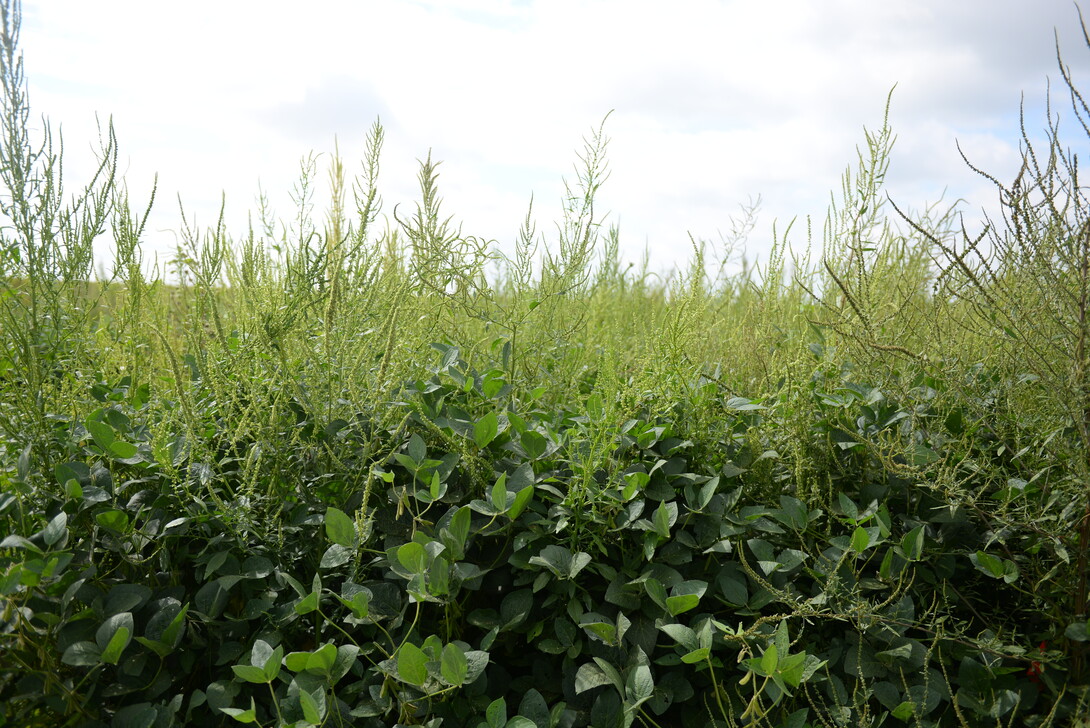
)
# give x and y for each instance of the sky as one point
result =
(715, 103)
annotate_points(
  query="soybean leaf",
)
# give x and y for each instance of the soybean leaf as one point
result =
(656, 591)
(412, 664)
(534, 444)
(987, 564)
(249, 673)
(860, 540)
(912, 544)
(113, 520)
(108, 630)
(453, 665)
(309, 706)
(54, 530)
(334, 556)
(695, 656)
(459, 526)
(340, 528)
(579, 561)
(499, 494)
(522, 499)
(82, 654)
(496, 713)
(588, 677)
(101, 433)
(323, 658)
(486, 429)
(242, 716)
(413, 557)
(640, 684)
(769, 660)
(417, 449)
(307, 604)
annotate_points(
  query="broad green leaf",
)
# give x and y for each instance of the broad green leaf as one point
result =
(340, 529)
(122, 450)
(413, 557)
(769, 660)
(681, 603)
(73, 489)
(323, 658)
(172, 635)
(602, 630)
(579, 562)
(260, 653)
(496, 713)
(681, 634)
(522, 499)
(534, 707)
(102, 433)
(82, 654)
(359, 603)
(272, 664)
(296, 661)
(588, 677)
(159, 648)
(848, 506)
(782, 639)
(904, 711)
(478, 661)
(412, 664)
(108, 630)
(486, 429)
(685, 596)
(307, 604)
(137, 715)
(519, 721)
(15, 541)
(250, 673)
(656, 591)
(1078, 631)
(792, 667)
(111, 654)
(334, 556)
(664, 517)
(912, 544)
(459, 525)
(534, 444)
(612, 673)
(113, 520)
(499, 493)
(698, 655)
(988, 564)
(903, 652)
(73, 470)
(640, 684)
(243, 716)
(453, 665)
(860, 540)
(309, 706)
(55, 529)
(346, 659)
(416, 449)
(556, 559)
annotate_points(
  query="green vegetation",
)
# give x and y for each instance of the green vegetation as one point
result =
(341, 474)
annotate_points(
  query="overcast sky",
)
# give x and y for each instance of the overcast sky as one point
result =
(715, 101)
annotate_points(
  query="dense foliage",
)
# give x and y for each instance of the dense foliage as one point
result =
(330, 474)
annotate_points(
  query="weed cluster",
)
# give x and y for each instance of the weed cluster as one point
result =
(332, 473)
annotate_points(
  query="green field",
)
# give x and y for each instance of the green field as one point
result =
(356, 473)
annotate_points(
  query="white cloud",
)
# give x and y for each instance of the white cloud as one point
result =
(715, 101)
